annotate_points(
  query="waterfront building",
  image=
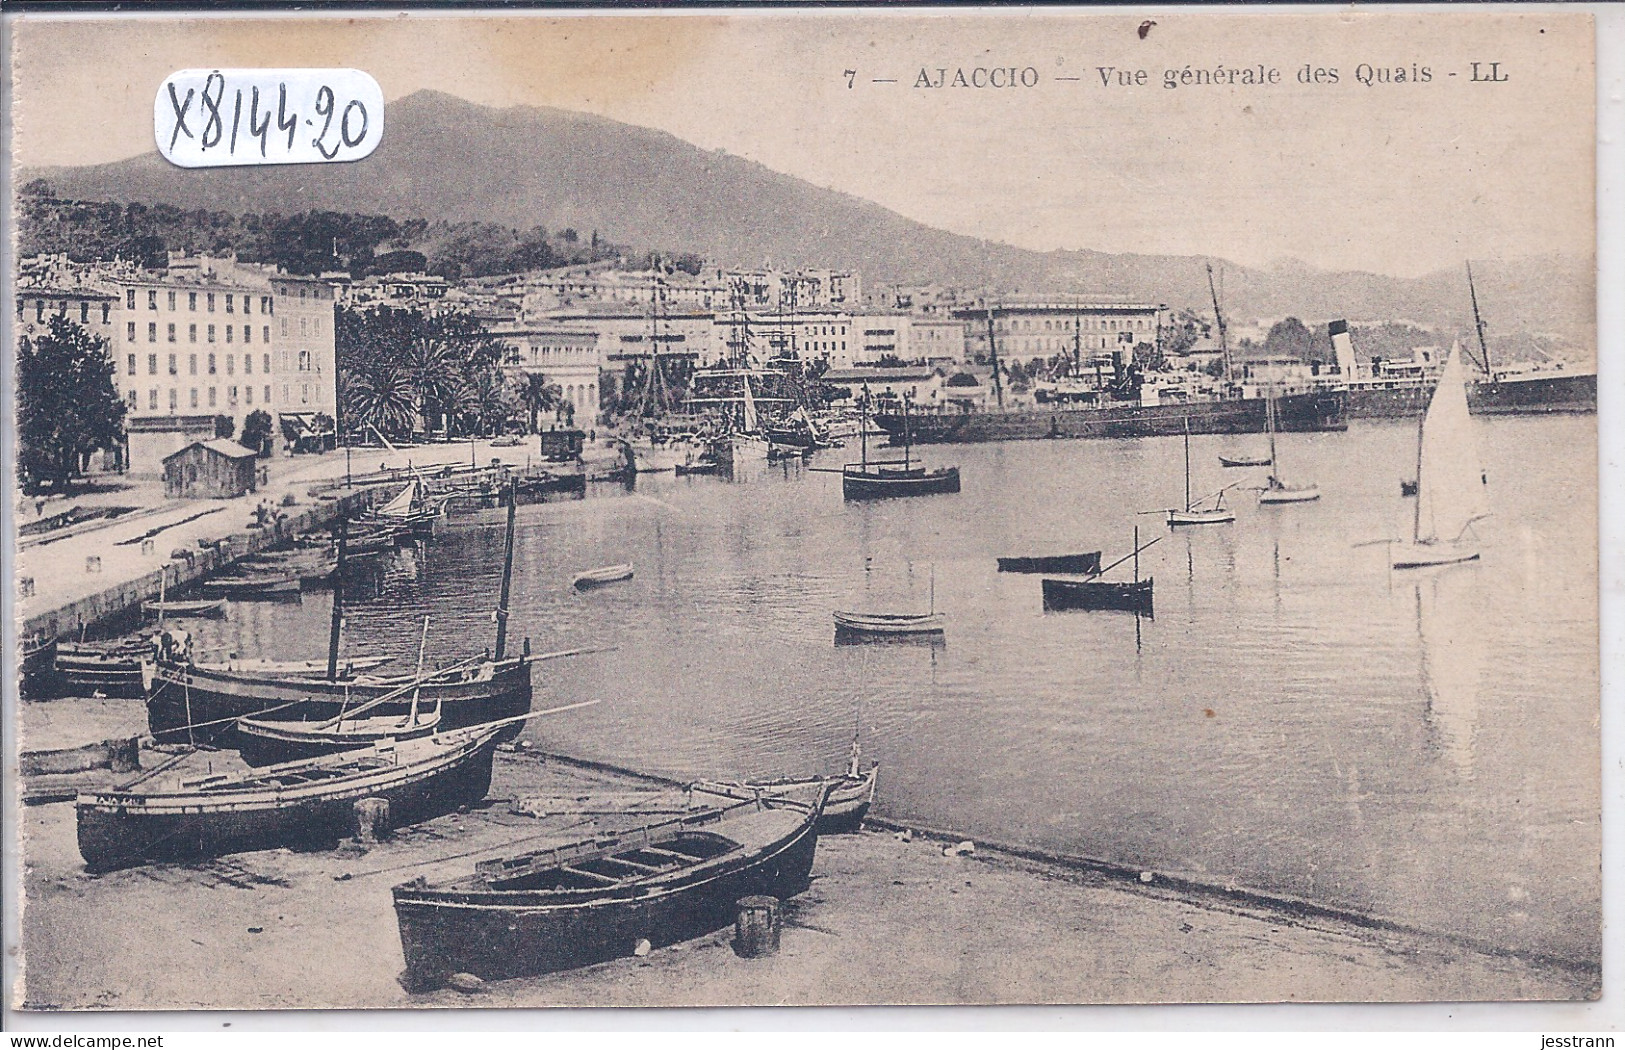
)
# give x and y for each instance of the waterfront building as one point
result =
(807, 335)
(566, 355)
(1028, 328)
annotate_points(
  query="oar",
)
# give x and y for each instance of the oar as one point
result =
(480, 728)
(576, 652)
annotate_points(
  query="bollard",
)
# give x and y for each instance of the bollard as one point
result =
(93, 563)
(25, 587)
(371, 819)
(147, 547)
(756, 930)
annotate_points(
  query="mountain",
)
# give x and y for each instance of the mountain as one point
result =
(445, 158)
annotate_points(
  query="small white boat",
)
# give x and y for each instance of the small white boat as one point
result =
(1198, 513)
(1276, 490)
(599, 577)
(880, 623)
(1450, 483)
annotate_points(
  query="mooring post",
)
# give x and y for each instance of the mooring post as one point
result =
(756, 930)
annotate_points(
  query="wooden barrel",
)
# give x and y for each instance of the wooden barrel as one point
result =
(756, 930)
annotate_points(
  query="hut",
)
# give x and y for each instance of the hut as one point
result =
(217, 469)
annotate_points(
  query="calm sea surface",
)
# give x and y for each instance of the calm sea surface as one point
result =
(1298, 718)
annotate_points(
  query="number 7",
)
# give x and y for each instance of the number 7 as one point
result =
(850, 74)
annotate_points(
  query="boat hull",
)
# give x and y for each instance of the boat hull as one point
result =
(889, 624)
(862, 485)
(123, 829)
(211, 702)
(1082, 564)
(1539, 395)
(1427, 555)
(267, 742)
(1200, 517)
(1099, 595)
(84, 671)
(1288, 495)
(1297, 412)
(496, 935)
(213, 608)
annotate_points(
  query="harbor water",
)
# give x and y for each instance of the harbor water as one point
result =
(1298, 718)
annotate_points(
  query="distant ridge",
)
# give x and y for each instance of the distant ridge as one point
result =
(446, 158)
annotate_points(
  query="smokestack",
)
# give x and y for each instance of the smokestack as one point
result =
(1343, 348)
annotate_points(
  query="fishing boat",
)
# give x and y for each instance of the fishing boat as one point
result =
(567, 906)
(1095, 594)
(410, 510)
(38, 665)
(599, 577)
(111, 669)
(1276, 490)
(304, 804)
(201, 607)
(1450, 482)
(1200, 512)
(749, 444)
(1087, 564)
(883, 480)
(266, 587)
(850, 793)
(299, 668)
(188, 703)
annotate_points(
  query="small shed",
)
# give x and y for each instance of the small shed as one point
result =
(217, 469)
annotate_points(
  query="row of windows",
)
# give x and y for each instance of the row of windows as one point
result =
(62, 310)
(1096, 324)
(305, 363)
(191, 333)
(173, 301)
(133, 398)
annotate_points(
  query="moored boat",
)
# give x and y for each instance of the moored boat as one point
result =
(112, 669)
(1133, 596)
(1450, 483)
(567, 906)
(210, 607)
(267, 587)
(599, 577)
(306, 804)
(1086, 564)
(884, 480)
(894, 624)
(1202, 511)
(38, 665)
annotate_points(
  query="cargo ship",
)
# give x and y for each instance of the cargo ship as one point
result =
(1314, 411)
(1506, 394)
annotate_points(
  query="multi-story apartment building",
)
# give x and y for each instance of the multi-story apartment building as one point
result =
(567, 356)
(809, 335)
(1031, 328)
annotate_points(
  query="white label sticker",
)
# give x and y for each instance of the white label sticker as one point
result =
(212, 118)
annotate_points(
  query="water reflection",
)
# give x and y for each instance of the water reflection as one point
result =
(1452, 650)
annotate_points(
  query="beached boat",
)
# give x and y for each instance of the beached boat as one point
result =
(348, 665)
(572, 905)
(599, 577)
(1086, 564)
(301, 804)
(201, 607)
(264, 741)
(1450, 482)
(38, 665)
(849, 793)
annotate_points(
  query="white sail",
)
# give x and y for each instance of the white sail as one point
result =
(750, 409)
(1450, 493)
(401, 505)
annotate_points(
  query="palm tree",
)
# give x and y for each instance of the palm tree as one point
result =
(439, 387)
(538, 396)
(382, 396)
(491, 399)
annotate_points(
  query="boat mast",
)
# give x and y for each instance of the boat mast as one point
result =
(1269, 424)
(334, 628)
(423, 645)
(1478, 324)
(1416, 518)
(1218, 316)
(863, 429)
(507, 572)
(1187, 463)
(1136, 554)
(993, 355)
(908, 439)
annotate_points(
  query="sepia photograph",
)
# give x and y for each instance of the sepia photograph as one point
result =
(803, 508)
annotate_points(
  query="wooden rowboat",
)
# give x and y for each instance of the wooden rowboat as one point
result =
(1244, 461)
(573, 905)
(850, 794)
(304, 804)
(268, 586)
(112, 670)
(599, 577)
(1082, 564)
(872, 623)
(264, 741)
(348, 666)
(1099, 594)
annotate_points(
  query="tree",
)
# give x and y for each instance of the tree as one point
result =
(224, 427)
(257, 432)
(537, 395)
(1290, 337)
(67, 404)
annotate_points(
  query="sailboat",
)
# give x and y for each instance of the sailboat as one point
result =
(1450, 482)
(1276, 490)
(1198, 513)
(747, 444)
(881, 480)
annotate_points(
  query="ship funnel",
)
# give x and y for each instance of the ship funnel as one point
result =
(1343, 348)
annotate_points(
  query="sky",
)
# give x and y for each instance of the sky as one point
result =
(1398, 177)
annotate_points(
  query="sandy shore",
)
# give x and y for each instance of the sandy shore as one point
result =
(886, 921)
